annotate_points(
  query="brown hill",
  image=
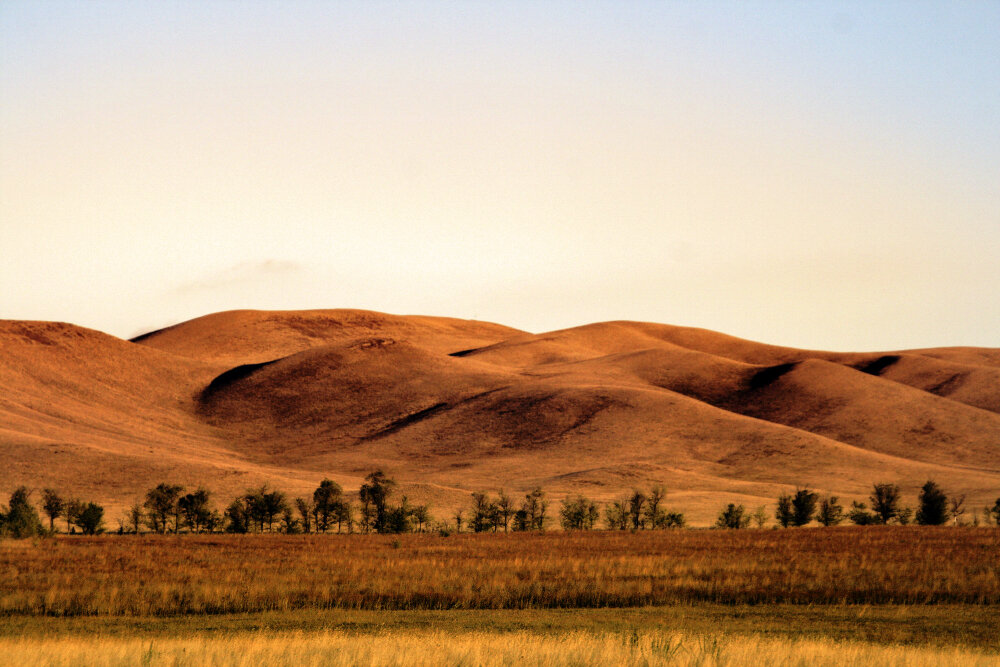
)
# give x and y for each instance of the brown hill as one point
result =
(450, 406)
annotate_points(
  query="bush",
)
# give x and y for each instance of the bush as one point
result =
(733, 516)
(21, 519)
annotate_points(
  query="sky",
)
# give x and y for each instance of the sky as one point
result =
(821, 175)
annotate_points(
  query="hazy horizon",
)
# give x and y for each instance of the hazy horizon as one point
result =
(814, 175)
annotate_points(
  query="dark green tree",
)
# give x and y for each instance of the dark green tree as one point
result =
(578, 513)
(306, 511)
(636, 505)
(326, 500)
(422, 515)
(616, 514)
(995, 512)
(237, 516)
(885, 501)
(376, 491)
(932, 508)
(91, 519)
(803, 507)
(73, 508)
(274, 504)
(534, 507)
(161, 506)
(830, 511)
(505, 509)
(53, 505)
(483, 513)
(733, 516)
(783, 511)
(21, 519)
(196, 510)
(859, 515)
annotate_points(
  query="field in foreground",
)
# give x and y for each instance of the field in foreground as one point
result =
(477, 648)
(164, 575)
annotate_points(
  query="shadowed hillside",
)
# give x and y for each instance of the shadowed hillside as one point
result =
(448, 406)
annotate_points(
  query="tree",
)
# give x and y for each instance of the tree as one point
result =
(345, 516)
(91, 519)
(616, 514)
(73, 508)
(273, 504)
(505, 509)
(534, 508)
(422, 515)
(994, 512)
(238, 516)
(458, 520)
(21, 519)
(859, 515)
(326, 501)
(733, 516)
(932, 507)
(654, 514)
(398, 519)
(636, 502)
(803, 507)
(133, 518)
(830, 511)
(257, 510)
(956, 508)
(578, 513)
(759, 516)
(904, 516)
(289, 524)
(195, 510)
(161, 504)
(483, 510)
(53, 505)
(306, 509)
(376, 491)
(783, 511)
(885, 501)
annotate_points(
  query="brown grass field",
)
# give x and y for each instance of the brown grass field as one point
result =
(885, 595)
(165, 575)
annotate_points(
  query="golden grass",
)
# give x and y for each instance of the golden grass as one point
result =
(471, 648)
(162, 575)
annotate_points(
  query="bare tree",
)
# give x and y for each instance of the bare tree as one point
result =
(956, 508)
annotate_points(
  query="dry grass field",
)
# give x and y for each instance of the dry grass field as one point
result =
(487, 649)
(885, 595)
(164, 575)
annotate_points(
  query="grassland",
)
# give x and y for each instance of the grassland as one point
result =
(162, 575)
(851, 595)
(478, 648)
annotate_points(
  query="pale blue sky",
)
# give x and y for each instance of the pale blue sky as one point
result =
(814, 174)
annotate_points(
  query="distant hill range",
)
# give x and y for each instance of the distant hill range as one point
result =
(449, 406)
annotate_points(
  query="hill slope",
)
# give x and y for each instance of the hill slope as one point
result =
(450, 406)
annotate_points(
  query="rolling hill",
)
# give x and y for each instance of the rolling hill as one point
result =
(449, 406)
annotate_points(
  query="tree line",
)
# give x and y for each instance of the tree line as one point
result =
(934, 508)
(167, 508)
